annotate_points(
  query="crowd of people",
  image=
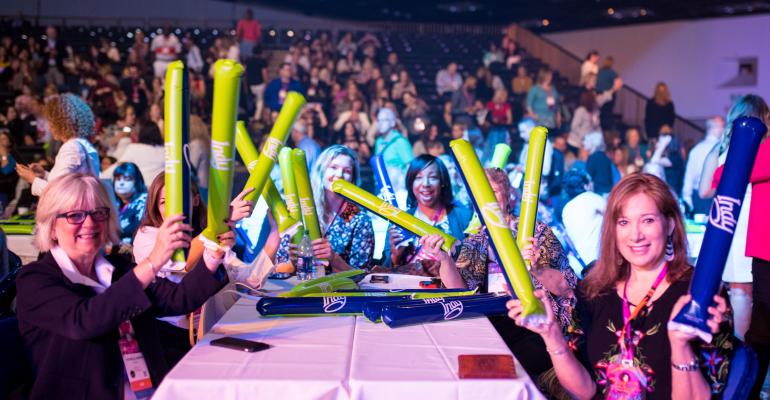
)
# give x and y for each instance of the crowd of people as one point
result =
(94, 121)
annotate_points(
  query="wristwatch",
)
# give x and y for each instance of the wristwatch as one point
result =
(693, 365)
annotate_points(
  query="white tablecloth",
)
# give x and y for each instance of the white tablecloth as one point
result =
(340, 358)
(24, 247)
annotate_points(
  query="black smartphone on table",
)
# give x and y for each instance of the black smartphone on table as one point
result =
(248, 346)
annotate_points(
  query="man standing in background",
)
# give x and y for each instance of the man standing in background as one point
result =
(166, 47)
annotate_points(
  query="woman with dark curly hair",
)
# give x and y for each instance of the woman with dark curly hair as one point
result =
(71, 122)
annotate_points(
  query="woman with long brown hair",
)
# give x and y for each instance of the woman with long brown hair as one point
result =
(619, 344)
(659, 111)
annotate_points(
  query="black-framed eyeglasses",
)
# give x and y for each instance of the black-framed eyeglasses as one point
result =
(77, 217)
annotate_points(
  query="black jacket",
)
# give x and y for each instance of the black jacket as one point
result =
(71, 332)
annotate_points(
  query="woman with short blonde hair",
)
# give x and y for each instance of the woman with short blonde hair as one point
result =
(74, 191)
(77, 308)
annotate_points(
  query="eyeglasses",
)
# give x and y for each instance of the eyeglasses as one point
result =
(77, 217)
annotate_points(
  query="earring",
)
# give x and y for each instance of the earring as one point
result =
(670, 248)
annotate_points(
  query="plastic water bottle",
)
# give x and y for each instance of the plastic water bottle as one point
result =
(305, 261)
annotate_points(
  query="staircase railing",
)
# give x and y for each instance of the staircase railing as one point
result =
(629, 102)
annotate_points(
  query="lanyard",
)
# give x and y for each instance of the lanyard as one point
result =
(625, 334)
(433, 221)
(334, 217)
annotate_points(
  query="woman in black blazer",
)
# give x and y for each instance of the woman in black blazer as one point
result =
(71, 302)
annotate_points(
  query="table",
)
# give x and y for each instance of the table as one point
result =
(24, 247)
(340, 358)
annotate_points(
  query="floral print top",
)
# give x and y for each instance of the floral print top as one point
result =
(130, 216)
(350, 235)
(593, 334)
(475, 257)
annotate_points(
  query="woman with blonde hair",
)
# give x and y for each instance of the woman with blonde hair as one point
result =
(659, 111)
(71, 122)
(619, 344)
(75, 306)
(347, 234)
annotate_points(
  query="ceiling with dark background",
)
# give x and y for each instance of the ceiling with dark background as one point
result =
(540, 15)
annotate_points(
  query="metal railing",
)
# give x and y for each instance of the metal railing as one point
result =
(629, 102)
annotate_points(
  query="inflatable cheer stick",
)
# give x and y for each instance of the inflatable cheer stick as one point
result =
(305, 194)
(747, 133)
(290, 189)
(373, 311)
(381, 177)
(499, 160)
(249, 154)
(435, 310)
(385, 188)
(530, 193)
(501, 238)
(227, 80)
(323, 287)
(412, 293)
(176, 132)
(386, 210)
(277, 138)
(500, 156)
(353, 274)
(319, 306)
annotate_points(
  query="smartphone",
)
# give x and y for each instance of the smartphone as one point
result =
(379, 279)
(17, 156)
(248, 346)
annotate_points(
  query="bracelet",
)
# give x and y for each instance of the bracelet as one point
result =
(152, 268)
(693, 365)
(556, 352)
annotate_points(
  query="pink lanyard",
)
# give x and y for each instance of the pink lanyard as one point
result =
(625, 335)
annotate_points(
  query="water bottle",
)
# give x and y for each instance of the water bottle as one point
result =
(305, 264)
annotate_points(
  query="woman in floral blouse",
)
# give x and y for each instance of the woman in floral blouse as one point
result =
(348, 235)
(550, 267)
(619, 345)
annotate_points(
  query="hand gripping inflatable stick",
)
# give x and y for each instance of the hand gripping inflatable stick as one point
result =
(747, 133)
(386, 210)
(176, 128)
(286, 224)
(227, 79)
(501, 238)
(277, 138)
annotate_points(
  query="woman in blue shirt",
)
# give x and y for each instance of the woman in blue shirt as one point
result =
(131, 193)
(429, 199)
(543, 101)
